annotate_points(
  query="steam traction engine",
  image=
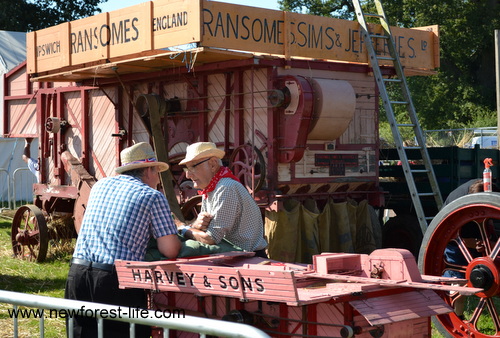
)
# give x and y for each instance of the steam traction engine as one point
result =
(289, 98)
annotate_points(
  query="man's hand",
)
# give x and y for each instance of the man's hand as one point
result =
(202, 222)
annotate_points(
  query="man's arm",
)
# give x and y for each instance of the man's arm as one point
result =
(200, 236)
(27, 149)
(169, 245)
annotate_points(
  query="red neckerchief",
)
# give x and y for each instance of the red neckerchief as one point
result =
(223, 172)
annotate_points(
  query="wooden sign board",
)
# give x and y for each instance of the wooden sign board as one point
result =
(159, 25)
(299, 35)
(243, 283)
(176, 22)
(130, 31)
(49, 49)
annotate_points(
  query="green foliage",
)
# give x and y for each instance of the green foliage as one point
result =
(25, 15)
(462, 93)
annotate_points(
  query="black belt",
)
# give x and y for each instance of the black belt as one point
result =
(89, 264)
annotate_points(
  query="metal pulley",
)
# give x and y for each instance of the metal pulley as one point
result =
(54, 124)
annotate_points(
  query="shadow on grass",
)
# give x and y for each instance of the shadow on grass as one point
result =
(5, 223)
(30, 285)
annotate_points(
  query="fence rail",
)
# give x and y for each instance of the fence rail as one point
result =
(5, 196)
(17, 187)
(203, 326)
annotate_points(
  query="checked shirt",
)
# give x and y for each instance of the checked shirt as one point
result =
(121, 215)
(237, 217)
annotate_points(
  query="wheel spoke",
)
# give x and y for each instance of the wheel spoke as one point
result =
(248, 164)
(495, 250)
(456, 298)
(477, 312)
(493, 313)
(463, 249)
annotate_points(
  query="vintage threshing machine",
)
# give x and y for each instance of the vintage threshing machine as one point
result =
(289, 97)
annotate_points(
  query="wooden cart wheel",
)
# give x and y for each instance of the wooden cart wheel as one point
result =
(29, 234)
(463, 239)
(243, 160)
(191, 208)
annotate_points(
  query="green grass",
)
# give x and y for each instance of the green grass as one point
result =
(45, 279)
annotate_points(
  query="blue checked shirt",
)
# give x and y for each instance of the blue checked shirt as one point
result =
(237, 217)
(121, 215)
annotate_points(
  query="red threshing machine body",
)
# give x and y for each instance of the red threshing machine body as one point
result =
(289, 98)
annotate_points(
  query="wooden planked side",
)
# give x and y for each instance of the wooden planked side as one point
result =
(102, 125)
(256, 103)
(22, 117)
(216, 93)
(394, 308)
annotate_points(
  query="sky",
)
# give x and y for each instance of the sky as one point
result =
(113, 5)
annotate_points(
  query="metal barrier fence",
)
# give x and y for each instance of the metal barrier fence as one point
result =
(16, 190)
(22, 186)
(56, 306)
(5, 195)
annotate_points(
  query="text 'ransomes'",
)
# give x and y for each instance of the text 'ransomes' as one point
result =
(96, 37)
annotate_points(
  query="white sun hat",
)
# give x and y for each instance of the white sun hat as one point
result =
(140, 155)
(199, 150)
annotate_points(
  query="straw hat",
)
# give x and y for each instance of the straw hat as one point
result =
(201, 150)
(140, 155)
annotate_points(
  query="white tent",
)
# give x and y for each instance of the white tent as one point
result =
(12, 53)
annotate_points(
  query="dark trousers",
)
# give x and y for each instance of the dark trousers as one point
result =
(101, 286)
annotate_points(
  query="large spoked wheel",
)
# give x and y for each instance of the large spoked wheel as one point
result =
(29, 234)
(462, 241)
(248, 164)
(191, 208)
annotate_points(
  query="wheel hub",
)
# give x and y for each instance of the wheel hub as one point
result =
(484, 273)
(481, 277)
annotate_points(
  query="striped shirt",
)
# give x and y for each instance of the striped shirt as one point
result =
(236, 216)
(121, 215)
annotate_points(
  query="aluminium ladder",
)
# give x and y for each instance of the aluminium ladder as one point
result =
(402, 98)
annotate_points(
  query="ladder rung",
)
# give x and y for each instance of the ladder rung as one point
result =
(423, 194)
(419, 171)
(399, 102)
(386, 58)
(373, 15)
(415, 147)
(392, 80)
(406, 125)
(379, 36)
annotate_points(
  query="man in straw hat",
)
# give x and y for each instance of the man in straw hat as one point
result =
(123, 212)
(228, 211)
